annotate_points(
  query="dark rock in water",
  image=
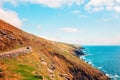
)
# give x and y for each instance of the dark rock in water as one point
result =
(78, 52)
(82, 48)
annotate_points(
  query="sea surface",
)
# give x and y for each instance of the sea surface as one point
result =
(105, 58)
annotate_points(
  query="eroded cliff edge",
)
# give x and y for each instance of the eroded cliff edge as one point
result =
(52, 60)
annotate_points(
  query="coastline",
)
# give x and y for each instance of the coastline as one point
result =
(113, 76)
(78, 52)
(82, 55)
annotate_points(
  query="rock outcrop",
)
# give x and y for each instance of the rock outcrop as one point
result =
(78, 52)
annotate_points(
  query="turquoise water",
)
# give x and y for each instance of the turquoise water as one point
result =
(105, 58)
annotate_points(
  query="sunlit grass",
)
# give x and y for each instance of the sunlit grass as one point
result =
(22, 69)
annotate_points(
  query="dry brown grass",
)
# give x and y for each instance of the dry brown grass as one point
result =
(59, 54)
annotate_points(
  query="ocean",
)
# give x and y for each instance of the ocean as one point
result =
(105, 58)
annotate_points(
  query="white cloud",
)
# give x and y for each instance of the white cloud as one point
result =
(10, 17)
(49, 3)
(50, 38)
(83, 16)
(117, 8)
(118, 1)
(100, 5)
(69, 29)
(99, 41)
(76, 11)
(91, 5)
(79, 14)
(13, 2)
(39, 27)
(56, 3)
(110, 17)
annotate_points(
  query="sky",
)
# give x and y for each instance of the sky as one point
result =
(84, 22)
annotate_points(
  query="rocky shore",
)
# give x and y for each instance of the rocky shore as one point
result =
(78, 52)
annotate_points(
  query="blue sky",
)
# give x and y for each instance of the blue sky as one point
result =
(85, 22)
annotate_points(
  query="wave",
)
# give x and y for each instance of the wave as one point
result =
(100, 67)
(88, 61)
(113, 77)
(90, 58)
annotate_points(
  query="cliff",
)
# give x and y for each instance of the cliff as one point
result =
(48, 60)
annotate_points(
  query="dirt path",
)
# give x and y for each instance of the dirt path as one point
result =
(15, 53)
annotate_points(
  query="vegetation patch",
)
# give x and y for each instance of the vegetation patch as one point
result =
(26, 72)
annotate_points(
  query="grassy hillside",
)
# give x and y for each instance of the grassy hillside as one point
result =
(49, 60)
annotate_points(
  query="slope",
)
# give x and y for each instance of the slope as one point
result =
(49, 60)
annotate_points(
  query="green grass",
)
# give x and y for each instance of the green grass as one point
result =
(22, 69)
(48, 78)
(26, 67)
(26, 72)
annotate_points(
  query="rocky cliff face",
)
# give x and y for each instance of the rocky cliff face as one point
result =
(52, 60)
(9, 38)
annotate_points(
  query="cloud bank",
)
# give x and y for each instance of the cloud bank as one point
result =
(90, 6)
(69, 29)
(55, 3)
(10, 17)
(103, 5)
